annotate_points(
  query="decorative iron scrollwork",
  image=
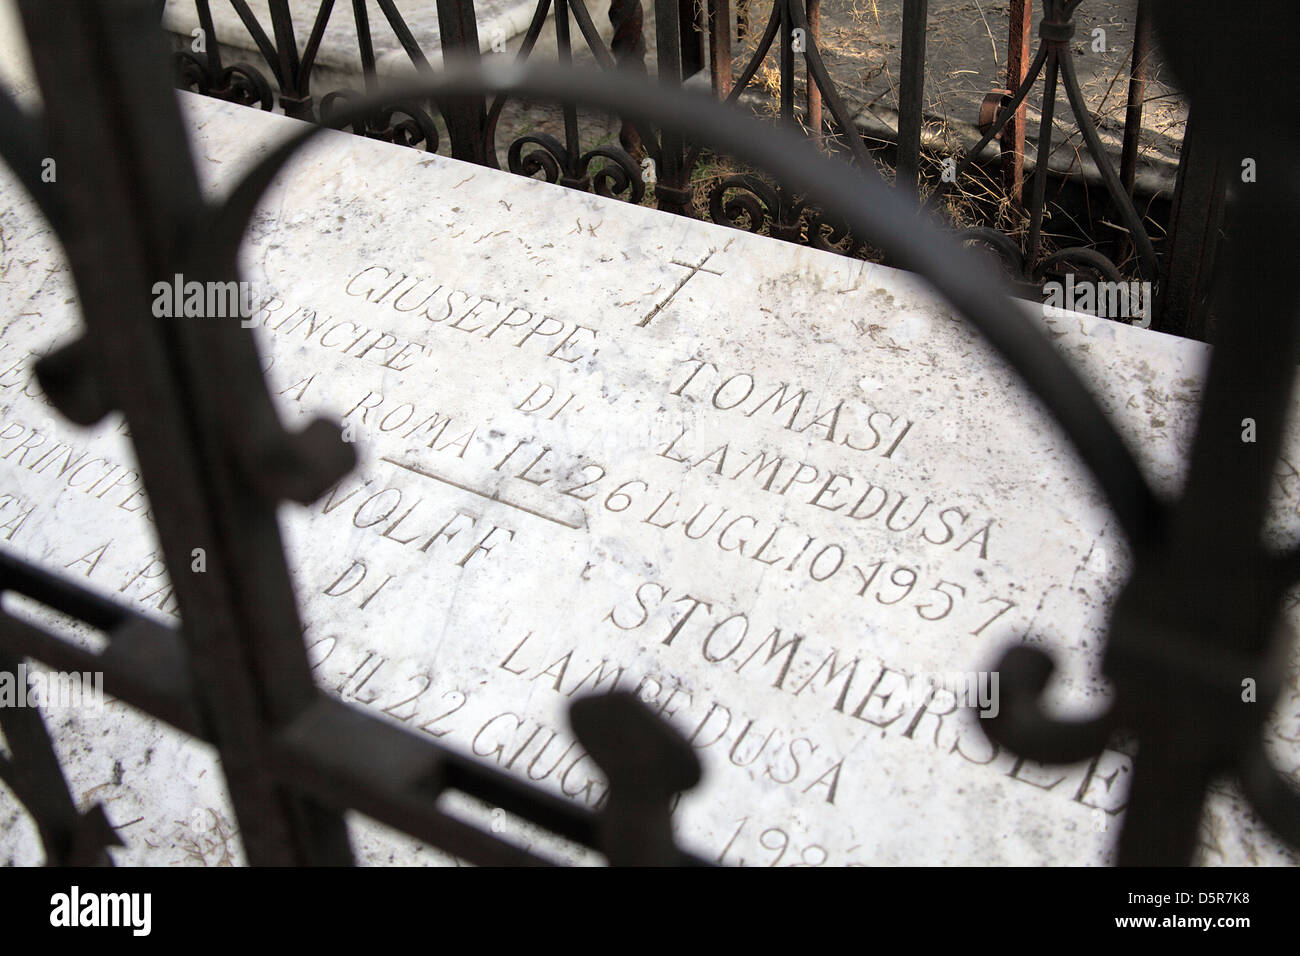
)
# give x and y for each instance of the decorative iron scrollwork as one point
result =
(239, 83)
(745, 202)
(620, 174)
(748, 202)
(548, 157)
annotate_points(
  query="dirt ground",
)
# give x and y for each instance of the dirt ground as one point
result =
(966, 57)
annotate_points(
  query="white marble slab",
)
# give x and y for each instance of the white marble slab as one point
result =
(633, 527)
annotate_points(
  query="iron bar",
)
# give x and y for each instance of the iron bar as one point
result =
(1038, 200)
(812, 93)
(720, 47)
(628, 49)
(286, 44)
(1021, 14)
(243, 636)
(1137, 82)
(691, 38)
(911, 93)
(365, 46)
(671, 192)
(785, 60)
(1194, 237)
(466, 117)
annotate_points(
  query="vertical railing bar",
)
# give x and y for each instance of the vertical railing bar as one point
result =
(785, 56)
(671, 172)
(911, 94)
(627, 47)
(466, 116)
(1137, 82)
(564, 53)
(813, 100)
(770, 31)
(209, 36)
(286, 44)
(692, 40)
(720, 47)
(1013, 134)
(1193, 237)
(365, 45)
(130, 174)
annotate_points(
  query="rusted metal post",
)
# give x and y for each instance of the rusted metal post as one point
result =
(628, 47)
(720, 47)
(1013, 134)
(813, 117)
(213, 53)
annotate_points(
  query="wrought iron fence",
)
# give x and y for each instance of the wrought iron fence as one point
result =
(750, 201)
(216, 462)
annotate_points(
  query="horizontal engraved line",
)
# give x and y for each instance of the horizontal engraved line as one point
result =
(414, 469)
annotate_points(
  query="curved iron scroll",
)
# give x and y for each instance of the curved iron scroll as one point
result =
(1176, 646)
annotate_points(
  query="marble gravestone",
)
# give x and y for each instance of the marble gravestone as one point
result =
(771, 490)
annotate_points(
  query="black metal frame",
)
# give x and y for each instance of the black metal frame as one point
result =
(216, 462)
